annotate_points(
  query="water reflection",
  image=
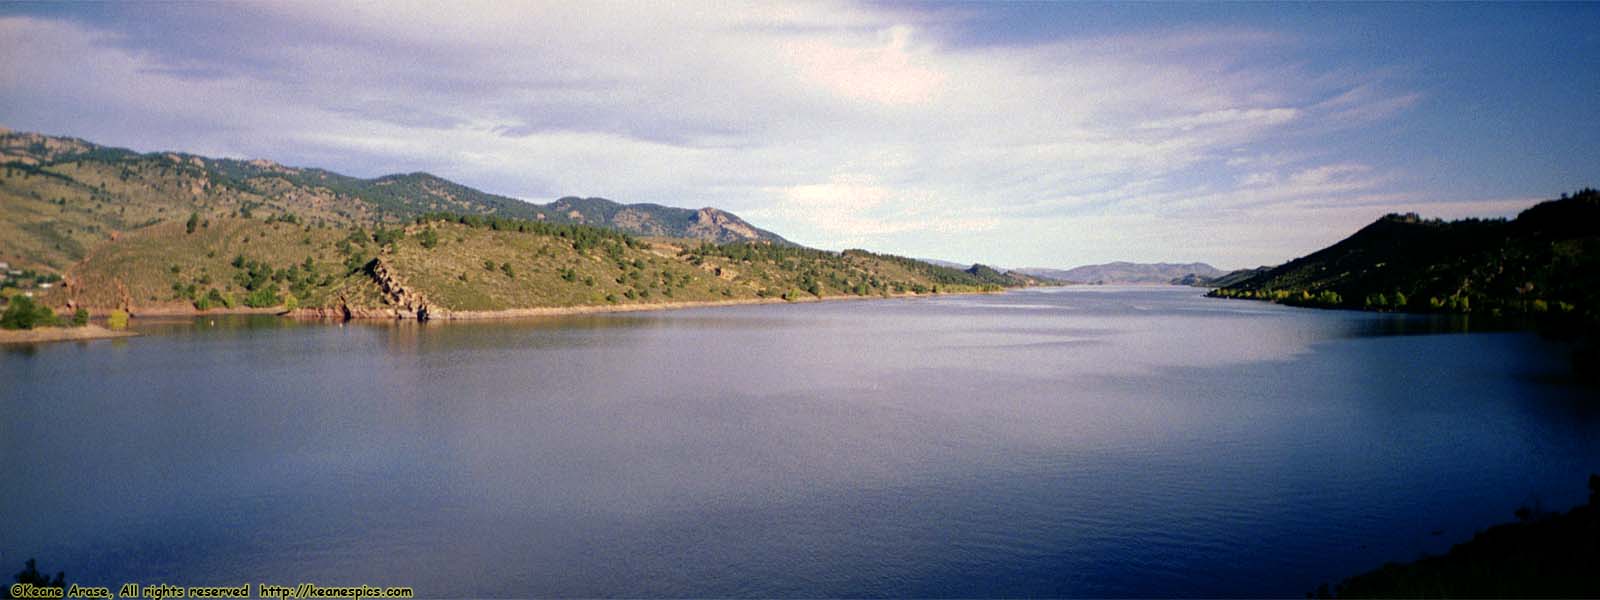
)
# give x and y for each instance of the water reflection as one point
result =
(1135, 442)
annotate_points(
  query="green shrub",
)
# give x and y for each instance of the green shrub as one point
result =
(118, 320)
(80, 317)
(24, 313)
(262, 298)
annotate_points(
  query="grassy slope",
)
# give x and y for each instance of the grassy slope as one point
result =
(546, 270)
(112, 221)
(137, 268)
(453, 274)
(52, 215)
(59, 197)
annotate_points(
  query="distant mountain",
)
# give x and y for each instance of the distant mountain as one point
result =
(708, 224)
(126, 190)
(1545, 260)
(947, 264)
(1126, 272)
(1225, 279)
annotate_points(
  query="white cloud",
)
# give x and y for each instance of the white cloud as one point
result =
(833, 123)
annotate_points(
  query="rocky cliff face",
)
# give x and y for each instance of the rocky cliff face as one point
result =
(713, 224)
(405, 303)
(400, 302)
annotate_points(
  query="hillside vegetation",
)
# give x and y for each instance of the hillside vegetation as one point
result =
(85, 226)
(60, 197)
(1547, 260)
(485, 264)
(440, 264)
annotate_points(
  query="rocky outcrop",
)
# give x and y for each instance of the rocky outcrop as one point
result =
(401, 302)
(710, 223)
(405, 303)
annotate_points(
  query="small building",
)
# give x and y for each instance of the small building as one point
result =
(46, 285)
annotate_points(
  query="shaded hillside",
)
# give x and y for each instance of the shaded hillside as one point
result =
(60, 197)
(1223, 280)
(991, 275)
(1541, 556)
(1126, 272)
(1546, 260)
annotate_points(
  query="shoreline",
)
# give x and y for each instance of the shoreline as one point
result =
(43, 335)
(390, 314)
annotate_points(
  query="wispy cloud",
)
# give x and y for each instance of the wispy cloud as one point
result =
(837, 124)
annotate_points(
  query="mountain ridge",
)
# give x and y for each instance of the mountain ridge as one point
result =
(1124, 272)
(104, 229)
(184, 182)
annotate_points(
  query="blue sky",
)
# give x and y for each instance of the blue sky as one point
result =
(1019, 134)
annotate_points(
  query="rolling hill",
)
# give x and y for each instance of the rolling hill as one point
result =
(1223, 280)
(168, 233)
(1547, 259)
(60, 196)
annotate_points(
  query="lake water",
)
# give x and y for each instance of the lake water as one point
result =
(1066, 442)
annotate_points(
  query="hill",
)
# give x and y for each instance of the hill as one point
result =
(85, 226)
(994, 276)
(1547, 260)
(444, 266)
(61, 196)
(1223, 280)
(1126, 273)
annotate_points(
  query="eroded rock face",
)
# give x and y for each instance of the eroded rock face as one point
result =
(710, 223)
(406, 303)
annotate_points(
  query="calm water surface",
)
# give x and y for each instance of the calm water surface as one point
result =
(1073, 442)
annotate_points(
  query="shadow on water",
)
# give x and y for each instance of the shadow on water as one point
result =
(1580, 341)
(864, 449)
(19, 350)
(1392, 324)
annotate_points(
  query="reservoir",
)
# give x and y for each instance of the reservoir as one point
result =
(1082, 441)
